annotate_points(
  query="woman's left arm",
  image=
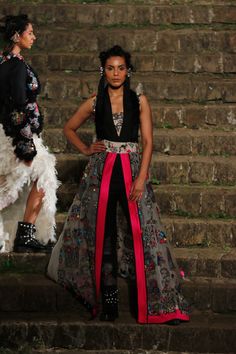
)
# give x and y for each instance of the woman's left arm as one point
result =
(147, 145)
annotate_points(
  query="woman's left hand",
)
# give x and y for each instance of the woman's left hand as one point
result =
(137, 189)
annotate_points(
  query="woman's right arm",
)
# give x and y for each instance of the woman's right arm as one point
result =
(70, 128)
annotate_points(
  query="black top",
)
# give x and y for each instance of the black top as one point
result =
(105, 128)
(19, 112)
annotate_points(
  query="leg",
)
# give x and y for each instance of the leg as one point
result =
(109, 264)
(109, 268)
(34, 204)
(133, 301)
(25, 237)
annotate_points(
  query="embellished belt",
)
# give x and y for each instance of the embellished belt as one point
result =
(120, 147)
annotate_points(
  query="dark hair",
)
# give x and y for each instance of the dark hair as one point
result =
(12, 25)
(115, 51)
(130, 104)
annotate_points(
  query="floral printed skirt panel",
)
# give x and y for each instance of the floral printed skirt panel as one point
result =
(145, 254)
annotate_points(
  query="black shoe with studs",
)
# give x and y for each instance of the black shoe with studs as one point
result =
(109, 304)
(25, 241)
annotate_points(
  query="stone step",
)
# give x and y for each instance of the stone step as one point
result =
(177, 87)
(214, 202)
(181, 200)
(114, 15)
(189, 232)
(81, 351)
(165, 115)
(190, 170)
(143, 62)
(165, 141)
(205, 333)
(164, 169)
(19, 294)
(209, 262)
(131, 2)
(168, 2)
(147, 39)
(186, 232)
(195, 261)
(106, 351)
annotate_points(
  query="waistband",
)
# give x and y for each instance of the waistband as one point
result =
(120, 147)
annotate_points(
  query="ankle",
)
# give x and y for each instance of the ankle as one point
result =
(25, 228)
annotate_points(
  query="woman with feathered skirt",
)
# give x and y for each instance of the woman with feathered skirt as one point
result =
(28, 180)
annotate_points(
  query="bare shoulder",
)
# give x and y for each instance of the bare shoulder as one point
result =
(88, 105)
(90, 101)
(144, 104)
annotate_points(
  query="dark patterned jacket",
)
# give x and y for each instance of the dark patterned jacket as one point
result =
(19, 112)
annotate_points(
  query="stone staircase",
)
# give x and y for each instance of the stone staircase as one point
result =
(185, 56)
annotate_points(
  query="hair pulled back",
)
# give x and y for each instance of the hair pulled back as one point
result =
(115, 51)
(12, 25)
(130, 100)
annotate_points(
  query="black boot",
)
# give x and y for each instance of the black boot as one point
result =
(25, 240)
(109, 303)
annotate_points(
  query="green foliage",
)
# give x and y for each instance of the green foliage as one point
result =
(155, 181)
(180, 212)
(167, 125)
(226, 248)
(7, 265)
(68, 71)
(220, 215)
(205, 244)
(186, 214)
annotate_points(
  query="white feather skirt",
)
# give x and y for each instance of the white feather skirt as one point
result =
(15, 183)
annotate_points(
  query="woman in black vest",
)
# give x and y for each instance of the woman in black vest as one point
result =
(96, 244)
(28, 180)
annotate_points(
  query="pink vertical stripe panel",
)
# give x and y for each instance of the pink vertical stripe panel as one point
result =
(137, 239)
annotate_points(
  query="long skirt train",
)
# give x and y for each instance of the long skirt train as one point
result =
(76, 260)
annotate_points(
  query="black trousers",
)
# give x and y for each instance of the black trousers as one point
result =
(117, 194)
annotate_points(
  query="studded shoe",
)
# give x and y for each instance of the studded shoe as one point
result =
(109, 304)
(25, 241)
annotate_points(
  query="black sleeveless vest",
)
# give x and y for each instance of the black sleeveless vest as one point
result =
(105, 128)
